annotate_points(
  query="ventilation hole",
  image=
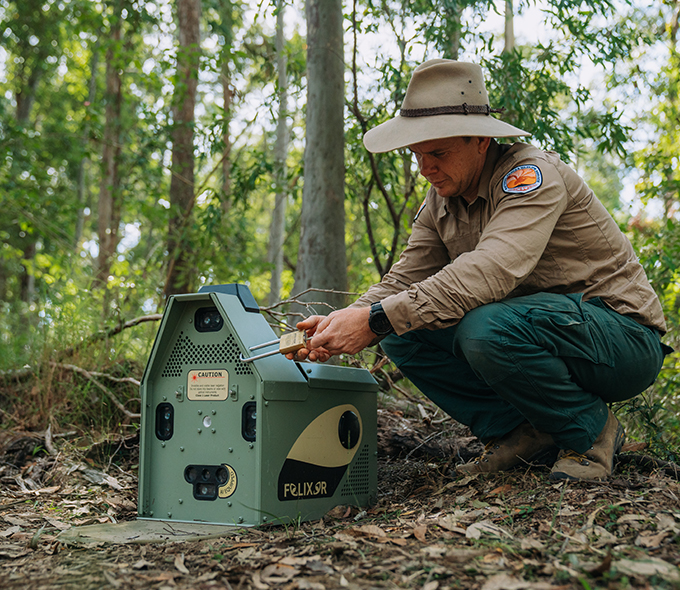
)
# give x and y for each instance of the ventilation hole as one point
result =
(185, 352)
(358, 479)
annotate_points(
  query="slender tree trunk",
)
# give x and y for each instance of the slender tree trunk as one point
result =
(509, 27)
(182, 183)
(83, 196)
(453, 26)
(227, 97)
(109, 207)
(25, 97)
(227, 26)
(278, 224)
(322, 261)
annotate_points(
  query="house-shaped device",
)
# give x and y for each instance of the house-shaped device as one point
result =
(228, 440)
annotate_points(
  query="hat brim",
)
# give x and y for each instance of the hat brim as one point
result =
(404, 131)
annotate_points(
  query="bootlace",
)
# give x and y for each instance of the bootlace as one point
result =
(574, 456)
(489, 449)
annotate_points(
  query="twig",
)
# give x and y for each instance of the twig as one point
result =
(104, 389)
(108, 333)
(48, 442)
(117, 379)
(295, 298)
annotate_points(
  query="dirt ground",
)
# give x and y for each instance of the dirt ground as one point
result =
(430, 528)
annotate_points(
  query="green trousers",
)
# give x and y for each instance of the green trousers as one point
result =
(553, 360)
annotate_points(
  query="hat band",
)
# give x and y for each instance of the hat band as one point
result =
(461, 109)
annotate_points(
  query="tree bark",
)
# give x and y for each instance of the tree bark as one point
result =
(109, 207)
(322, 261)
(509, 27)
(278, 223)
(83, 193)
(227, 28)
(178, 279)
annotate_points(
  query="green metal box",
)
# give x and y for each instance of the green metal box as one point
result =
(246, 443)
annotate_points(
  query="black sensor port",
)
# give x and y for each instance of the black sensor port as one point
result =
(206, 480)
(208, 319)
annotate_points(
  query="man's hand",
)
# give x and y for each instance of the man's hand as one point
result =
(343, 331)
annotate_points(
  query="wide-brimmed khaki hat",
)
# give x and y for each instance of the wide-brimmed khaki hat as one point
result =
(445, 98)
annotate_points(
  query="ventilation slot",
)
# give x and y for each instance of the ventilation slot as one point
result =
(357, 483)
(186, 353)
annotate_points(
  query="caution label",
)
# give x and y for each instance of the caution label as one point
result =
(208, 385)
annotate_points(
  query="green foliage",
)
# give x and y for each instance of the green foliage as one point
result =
(53, 116)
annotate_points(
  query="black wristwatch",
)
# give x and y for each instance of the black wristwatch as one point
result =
(378, 321)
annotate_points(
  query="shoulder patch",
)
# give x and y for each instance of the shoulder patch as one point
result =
(522, 179)
(422, 206)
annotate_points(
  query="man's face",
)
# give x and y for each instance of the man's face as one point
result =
(452, 165)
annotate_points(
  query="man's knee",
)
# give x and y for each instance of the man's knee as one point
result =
(400, 348)
(483, 335)
(485, 323)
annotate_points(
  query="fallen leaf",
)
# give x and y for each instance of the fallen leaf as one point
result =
(419, 533)
(142, 564)
(633, 446)
(650, 566)
(10, 531)
(651, 540)
(368, 530)
(278, 572)
(17, 521)
(603, 567)
(500, 490)
(431, 585)
(477, 529)
(529, 543)
(58, 524)
(434, 551)
(179, 563)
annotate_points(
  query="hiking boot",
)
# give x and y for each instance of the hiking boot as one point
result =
(524, 444)
(598, 461)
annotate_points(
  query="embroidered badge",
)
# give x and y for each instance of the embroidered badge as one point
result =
(522, 179)
(422, 206)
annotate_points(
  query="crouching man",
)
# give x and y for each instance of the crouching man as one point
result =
(518, 306)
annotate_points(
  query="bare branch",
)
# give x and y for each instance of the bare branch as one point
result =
(105, 390)
(103, 335)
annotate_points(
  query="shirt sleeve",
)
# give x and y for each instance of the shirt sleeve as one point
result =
(509, 249)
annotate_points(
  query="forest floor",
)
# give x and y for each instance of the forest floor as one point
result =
(430, 528)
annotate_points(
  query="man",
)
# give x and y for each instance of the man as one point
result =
(518, 305)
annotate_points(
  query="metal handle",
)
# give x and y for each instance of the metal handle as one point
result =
(258, 356)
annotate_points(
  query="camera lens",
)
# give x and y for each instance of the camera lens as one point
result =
(208, 319)
(205, 474)
(190, 474)
(222, 475)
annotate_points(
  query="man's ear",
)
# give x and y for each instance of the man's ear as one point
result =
(483, 145)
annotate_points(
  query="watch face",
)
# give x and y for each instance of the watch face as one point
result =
(378, 321)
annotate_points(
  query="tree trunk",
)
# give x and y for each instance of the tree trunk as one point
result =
(278, 223)
(83, 193)
(182, 183)
(322, 261)
(109, 207)
(509, 27)
(453, 25)
(227, 28)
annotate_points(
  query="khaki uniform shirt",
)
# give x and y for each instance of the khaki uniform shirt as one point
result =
(524, 234)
